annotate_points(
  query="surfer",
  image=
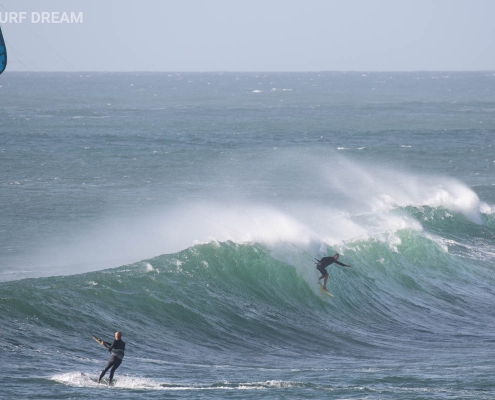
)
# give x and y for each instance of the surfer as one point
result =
(322, 267)
(117, 349)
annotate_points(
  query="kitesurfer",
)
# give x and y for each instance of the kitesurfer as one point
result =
(323, 264)
(117, 349)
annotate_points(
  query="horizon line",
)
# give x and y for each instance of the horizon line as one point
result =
(256, 71)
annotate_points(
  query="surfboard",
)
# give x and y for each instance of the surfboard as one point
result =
(102, 342)
(325, 291)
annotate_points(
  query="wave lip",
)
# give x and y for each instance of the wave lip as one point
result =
(325, 204)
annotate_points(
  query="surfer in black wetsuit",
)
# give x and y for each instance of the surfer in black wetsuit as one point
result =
(322, 267)
(117, 349)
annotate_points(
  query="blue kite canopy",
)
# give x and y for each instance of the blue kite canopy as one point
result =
(3, 53)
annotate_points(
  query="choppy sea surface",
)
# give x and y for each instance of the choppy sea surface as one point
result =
(186, 210)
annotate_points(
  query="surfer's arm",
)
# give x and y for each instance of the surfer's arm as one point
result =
(110, 347)
(342, 264)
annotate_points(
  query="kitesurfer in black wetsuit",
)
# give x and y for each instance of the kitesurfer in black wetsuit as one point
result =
(117, 349)
(323, 264)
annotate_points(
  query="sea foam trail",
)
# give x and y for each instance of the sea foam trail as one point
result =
(353, 202)
(79, 379)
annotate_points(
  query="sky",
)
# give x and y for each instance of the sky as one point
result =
(251, 35)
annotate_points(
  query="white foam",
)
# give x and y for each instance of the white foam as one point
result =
(486, 208)
(149, 267)
(79, 379)
(377, 190)
(458, 198)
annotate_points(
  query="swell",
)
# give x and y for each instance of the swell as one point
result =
(223, 297)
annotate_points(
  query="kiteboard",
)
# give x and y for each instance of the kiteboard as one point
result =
(102, 342)
(103, 381)
(326, 292)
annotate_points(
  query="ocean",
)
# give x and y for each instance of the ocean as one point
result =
(186, 211)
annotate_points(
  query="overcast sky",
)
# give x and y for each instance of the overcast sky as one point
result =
(253, 35)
